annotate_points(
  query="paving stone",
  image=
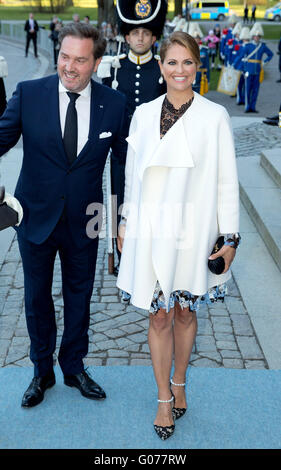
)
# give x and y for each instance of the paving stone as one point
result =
(114, 333)
(138, 337)
(109, 284)
(205, 343)
(126, 318)
(108, 291)
(4, 346)
(214, 356)
(227, 345)
(115, 307)
(132, 328)
(141, 362)
(102, 346)
(218, 312)
(255, 364)
(241, 324)
(145, 348)
(204, 362)
(117, 361)
(117, 353)
(230, 354)
(110, 298)
(249, 347)
(204, 326)
(103, 326)
(235, 305)
(233, 363)
(123, 343)
(98, 317)
(93, 361)
(224, 337)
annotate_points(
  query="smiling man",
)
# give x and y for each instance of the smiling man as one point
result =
(68, 123)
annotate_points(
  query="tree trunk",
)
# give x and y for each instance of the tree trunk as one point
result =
(178, 7)
(106, 11)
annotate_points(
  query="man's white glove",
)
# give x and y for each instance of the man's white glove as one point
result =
(12, 202)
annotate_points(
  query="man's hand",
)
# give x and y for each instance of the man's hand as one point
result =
(121, 236)
(228, 254)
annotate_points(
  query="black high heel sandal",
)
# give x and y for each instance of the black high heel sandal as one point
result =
(164, 432)
(178, 412)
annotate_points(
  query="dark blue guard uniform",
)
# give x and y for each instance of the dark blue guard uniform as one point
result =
(136, 76)
(139, 78)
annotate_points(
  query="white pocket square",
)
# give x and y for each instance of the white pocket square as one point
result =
(103, 135)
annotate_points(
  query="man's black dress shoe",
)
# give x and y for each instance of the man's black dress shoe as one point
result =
(35, 392)
(273, 118)
(270, 122)
(87, 386)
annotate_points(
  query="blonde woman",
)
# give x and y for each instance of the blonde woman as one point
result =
(181, 193)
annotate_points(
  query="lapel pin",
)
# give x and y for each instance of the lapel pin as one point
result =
(101, 105)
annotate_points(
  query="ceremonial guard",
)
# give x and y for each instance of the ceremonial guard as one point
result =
(203, 74)
(251, 55)
(136, 74)
(227, 33)
(239, 65)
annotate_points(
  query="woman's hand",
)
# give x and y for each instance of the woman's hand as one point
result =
(228, 254)
(121, 236)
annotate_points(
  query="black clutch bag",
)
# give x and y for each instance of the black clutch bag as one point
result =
(8, 216)
(217, 265)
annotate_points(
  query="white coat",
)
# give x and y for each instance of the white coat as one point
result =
(181, 192)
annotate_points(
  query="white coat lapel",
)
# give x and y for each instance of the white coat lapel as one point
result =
(171, 151)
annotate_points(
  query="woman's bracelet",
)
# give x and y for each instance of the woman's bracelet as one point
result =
(232, 240)
(123, 221)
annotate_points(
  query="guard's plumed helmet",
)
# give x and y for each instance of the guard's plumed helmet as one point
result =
(149, 14)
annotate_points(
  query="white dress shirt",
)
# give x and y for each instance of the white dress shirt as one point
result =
(31, 23)
(83, 107)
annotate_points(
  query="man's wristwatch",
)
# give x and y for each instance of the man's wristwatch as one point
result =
(232, 239)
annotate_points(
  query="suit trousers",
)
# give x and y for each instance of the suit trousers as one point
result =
(78, 272)
(31, 37)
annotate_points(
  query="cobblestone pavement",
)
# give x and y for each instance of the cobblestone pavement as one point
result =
(251, 139)
(118, 332)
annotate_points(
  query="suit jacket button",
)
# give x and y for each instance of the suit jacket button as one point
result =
(62, 197)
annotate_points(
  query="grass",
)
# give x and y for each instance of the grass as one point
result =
(271, 30)
(21, 13)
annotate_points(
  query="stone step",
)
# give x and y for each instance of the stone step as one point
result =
(270, 160)
(259, 283)
(261, 197)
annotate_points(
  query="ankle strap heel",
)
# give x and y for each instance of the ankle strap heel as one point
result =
(166, 401)
(177, 385)
(178, 412)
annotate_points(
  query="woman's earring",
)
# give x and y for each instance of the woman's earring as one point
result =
(161, 80)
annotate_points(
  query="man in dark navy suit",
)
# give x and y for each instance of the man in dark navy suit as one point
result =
(31, 28)
(68, 123)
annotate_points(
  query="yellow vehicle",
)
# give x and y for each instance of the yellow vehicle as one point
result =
(215, 10)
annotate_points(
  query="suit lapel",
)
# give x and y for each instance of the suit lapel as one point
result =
(54, 111)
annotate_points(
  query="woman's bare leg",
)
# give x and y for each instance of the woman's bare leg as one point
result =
(185, 329)
(161, 344)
